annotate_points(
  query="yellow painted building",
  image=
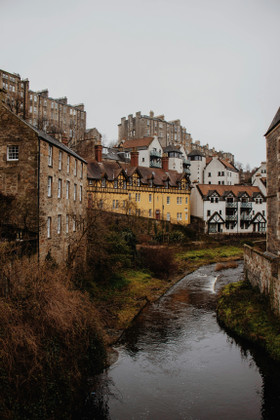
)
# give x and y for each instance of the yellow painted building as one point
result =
(148, 192)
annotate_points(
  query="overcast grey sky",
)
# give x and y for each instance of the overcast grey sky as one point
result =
(214, 64)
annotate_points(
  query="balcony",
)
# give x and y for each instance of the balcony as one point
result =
(231, 205)
(231, 218)
(246, 205)
(155, 164)
(246, 217)
(186, 162)
(155, 153)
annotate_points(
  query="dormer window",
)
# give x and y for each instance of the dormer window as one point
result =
(103, 183)
(150, 183)
(116, 183)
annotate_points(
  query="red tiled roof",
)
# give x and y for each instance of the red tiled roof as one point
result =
(135, 143)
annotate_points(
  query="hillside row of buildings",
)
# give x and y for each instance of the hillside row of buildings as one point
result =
(51, 180)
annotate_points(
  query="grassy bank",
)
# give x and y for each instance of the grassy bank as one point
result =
(120, 301)
(246, 312)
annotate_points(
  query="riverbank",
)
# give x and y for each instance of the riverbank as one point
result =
(119, 303)
(246, 312)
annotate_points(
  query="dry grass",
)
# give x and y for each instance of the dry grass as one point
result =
(48, 333)
(226, 265)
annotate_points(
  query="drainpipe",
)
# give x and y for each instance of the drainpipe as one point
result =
(38, 199)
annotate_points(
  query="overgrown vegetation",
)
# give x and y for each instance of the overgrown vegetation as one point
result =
(246, 312)
(50, 342)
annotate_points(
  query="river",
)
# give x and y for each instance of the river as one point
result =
(176, 362)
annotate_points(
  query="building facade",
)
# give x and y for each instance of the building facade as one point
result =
(133, 189)
(229, 209)
(55, 116)
(47, 183)
(262, 269)
(168, 132)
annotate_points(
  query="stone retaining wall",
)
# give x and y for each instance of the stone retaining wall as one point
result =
(262, 270)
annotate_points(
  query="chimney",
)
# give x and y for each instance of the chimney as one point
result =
(98, 152)
(134, 158)
(164, 162)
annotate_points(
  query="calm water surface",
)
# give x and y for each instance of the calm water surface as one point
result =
(175, 362)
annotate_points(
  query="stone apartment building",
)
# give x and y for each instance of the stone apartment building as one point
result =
(46, 182)
(133, 189)
(168, 132)
(262, 269)
(65, 122)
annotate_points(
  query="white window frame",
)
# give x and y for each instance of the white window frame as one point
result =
(59, 224)
(59, 189)
(49, 186)
(50, 155)
(49, 227)
(68, 164)
(12, 153)
(67, 189)
(60, 160)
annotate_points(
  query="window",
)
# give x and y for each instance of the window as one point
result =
(116, 183)
(67, 189)
(67, 223)
(75, 167)
(129, 196)
(60, 160)
(137, 197)
(50, 155)
(208, 212)
(186, 200)
(150, 212)
(168, 216)
(82, 170)
(81, 193)
(123, 204)
(150, 198)
(103, 182)
(179, 216)
(75, 192)
(138, 182)
(209, 174)
(167, 200)
(59, 188)
(49, 226)
(186, 215)
(124, 185)
(179, 200)
(114, 204)
(117, 204)
(12, 153)
(59, 224)
(68, 164)
(74, 223)
(49, 186)
(143, 159)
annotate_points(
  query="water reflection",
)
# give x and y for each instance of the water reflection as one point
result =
(175, 362)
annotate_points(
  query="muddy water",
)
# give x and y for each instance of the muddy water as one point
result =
(175, 362)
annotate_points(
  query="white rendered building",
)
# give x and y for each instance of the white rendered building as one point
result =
(229, 209)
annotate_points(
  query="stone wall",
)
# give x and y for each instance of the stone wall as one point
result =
(262, 270)
(19, 177)
(273, 243)
(70, 207)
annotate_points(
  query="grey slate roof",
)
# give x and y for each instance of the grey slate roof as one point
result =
(196, 153)
(275, 122)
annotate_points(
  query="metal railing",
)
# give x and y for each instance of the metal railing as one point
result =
(155, 153)
(231, 205)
